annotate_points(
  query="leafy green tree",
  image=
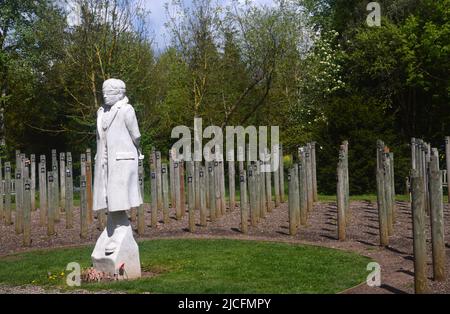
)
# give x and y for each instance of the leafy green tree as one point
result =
(28, 57)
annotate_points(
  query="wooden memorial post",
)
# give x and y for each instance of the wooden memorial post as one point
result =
(8, 219)
(268, 176)
(424, 175)
(68, 184)
(206, 174)
(276, 174)
(340, 193)
(281, 176)
(223, 205)
(89, 191)
(262, 180)
(56, 179)
(388, 192)
(202, 187)
(217, 189)
(172, 181)
(257, 176)
(381, 199)
(83, 164)
(382, 212)
(33, 181)
(165, 189)
(27, 213)
(51, 204)
(419, 234)
(437, 219)
(153, 190)
(244, 202)
(182, 189)
(243, 171)
(314, 171)
(197, 167)
(191, 194)
(83, 208)
(252, 193)
(296, 196)
(212, 191)
(308, 179)
(303, 196)
(43, 203)
(291, 201)
(231, 184)
(177, 189)
(346, 183)
(413, 153)
(392, 181)
(18, 217)
(62, 180)
(159, 199)
(141, 210)
(154, 204)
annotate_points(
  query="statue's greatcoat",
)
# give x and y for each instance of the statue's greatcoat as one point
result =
(116, 181)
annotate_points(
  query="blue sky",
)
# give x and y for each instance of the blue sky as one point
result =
(158, 18)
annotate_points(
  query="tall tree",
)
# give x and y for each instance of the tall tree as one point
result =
(28, 56)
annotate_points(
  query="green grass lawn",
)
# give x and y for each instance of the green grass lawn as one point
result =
(204, 266)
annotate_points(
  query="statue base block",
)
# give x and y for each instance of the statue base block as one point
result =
(123, 262)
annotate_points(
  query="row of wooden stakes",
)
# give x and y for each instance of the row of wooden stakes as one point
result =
(170, 183)
(302, 187)
(204, 184)
(426, 188)
(427, 200)
(56, 191)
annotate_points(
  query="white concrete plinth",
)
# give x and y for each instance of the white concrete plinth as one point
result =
(116, 247)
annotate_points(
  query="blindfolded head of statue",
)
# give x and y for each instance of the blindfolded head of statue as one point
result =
(113, 91)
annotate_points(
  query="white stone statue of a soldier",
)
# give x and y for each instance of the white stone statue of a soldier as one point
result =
(116, 182)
